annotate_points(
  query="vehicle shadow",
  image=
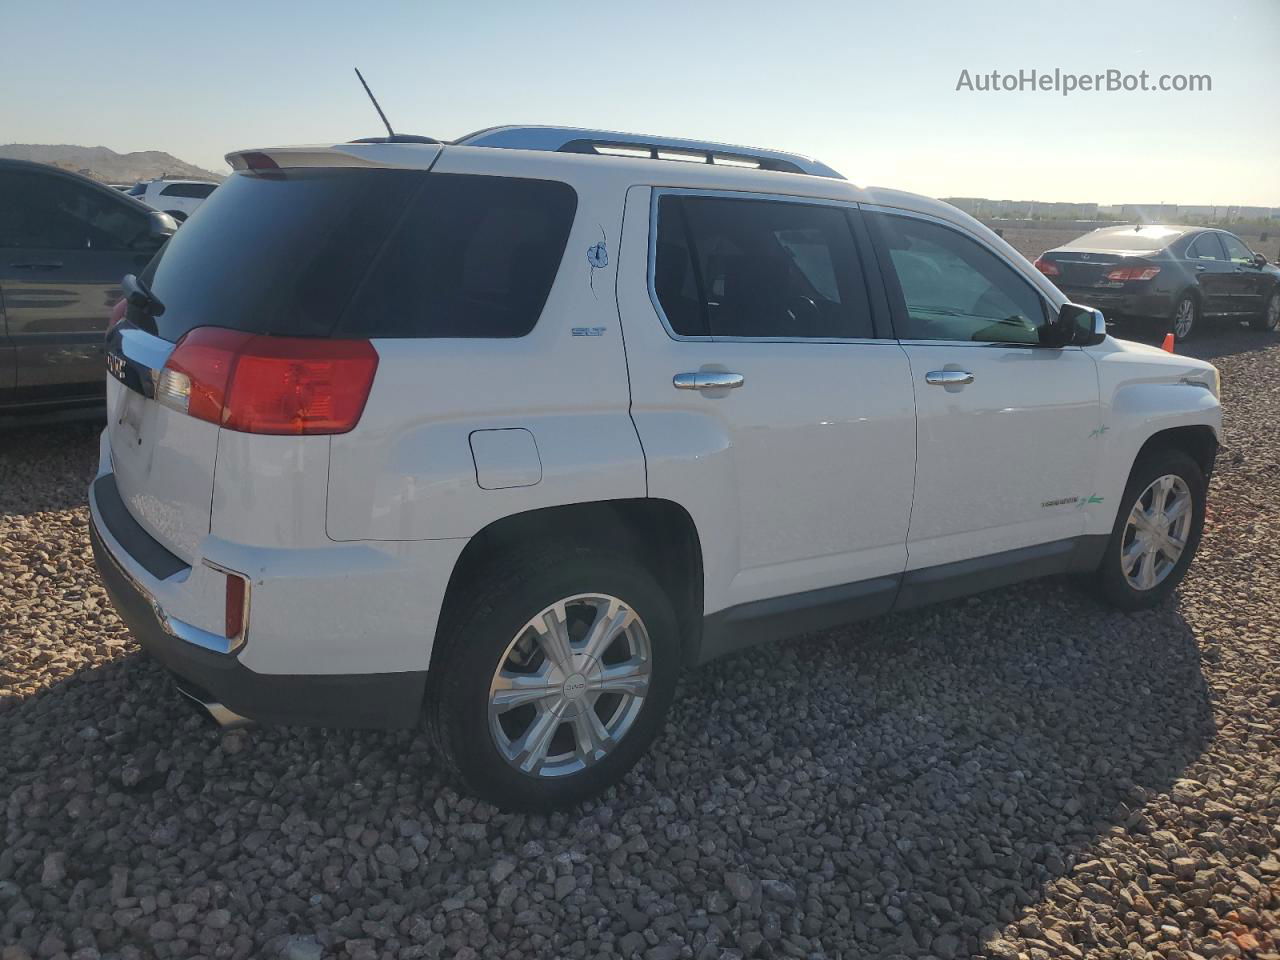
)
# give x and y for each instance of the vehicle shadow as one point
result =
(923, 776)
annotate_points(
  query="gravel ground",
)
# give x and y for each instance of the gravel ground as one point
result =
(1018, 774)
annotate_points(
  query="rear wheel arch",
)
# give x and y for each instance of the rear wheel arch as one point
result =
(659, 534)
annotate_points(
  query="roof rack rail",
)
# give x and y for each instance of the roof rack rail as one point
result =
(396, 138)
(613, 143)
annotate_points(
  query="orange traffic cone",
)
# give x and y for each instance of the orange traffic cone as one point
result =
(1167, 346)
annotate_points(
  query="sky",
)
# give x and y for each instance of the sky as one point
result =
(869, 88)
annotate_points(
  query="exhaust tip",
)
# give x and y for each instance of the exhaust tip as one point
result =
(222, 715)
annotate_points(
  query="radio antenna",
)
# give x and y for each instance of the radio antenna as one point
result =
(374, 99)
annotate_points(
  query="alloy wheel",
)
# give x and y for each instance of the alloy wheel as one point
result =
(1156, 532)
(1273, 312)
(570, 685)
(1185, 318)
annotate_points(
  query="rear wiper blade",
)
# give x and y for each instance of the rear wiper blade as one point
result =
(139, 295)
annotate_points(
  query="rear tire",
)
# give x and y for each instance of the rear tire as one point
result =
(1185, 320)
(528, 724)
(1139, 569)
(1269, 319)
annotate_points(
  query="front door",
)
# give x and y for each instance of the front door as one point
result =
(1247, 279)
(764, 399)
(1006, 428)
(64, 247)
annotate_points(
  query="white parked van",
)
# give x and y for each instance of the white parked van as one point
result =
(507, 431)
(178, 198)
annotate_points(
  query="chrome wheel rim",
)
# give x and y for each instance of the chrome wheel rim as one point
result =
(1273, 311)
(570, 685)
(1155, 535)
(1186, 316)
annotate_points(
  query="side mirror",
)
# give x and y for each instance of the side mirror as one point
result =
(1077, 326)
(160, 227)
(1259, 260)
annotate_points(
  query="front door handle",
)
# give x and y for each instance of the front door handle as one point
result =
(948, 378)
(708, 380)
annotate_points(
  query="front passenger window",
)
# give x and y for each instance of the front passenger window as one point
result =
(1237, 252)
(956, 289)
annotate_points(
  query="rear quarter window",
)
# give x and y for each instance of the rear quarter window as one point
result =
(474, 256)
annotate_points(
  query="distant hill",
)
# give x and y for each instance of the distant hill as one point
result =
(106, 165)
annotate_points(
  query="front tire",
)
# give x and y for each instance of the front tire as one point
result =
(1269, 319)
(1156, 533)
(555, 678)
(1186, 317)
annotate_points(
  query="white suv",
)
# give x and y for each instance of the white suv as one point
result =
(509, 430)
(178, 198)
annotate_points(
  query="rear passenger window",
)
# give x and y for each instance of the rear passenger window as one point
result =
(1207, 246)
(727, 267)
(474, 256)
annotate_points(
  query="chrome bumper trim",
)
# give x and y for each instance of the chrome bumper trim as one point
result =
(178, 629)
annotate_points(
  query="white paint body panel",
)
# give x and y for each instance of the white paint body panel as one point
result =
(164, 464)
(992, 452)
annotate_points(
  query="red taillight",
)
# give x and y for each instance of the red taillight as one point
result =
(1133, 273)
(237, 591)
(1047, 267)
(275, 385)
(117, 313)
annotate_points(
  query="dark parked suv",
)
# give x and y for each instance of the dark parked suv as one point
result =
(65, 243)
(1178, 276)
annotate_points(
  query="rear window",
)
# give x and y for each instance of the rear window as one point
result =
(365, 253)
(196, 191)
(1148, 238)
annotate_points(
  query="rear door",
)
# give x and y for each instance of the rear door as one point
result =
(65, 246)
(1005, 447)
(768, 402)
(1208, 261)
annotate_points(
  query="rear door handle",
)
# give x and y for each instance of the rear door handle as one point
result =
(708, 380)
(44, 265)
(948, 378)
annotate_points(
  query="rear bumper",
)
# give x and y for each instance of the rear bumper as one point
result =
(1155, 306)
(327, 700)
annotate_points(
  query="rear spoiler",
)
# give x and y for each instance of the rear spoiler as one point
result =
(415, 155)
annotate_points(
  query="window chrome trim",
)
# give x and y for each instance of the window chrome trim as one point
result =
(657, 193)
(1049, 307)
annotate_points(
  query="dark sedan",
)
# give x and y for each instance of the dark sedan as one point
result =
(65, 243)
(1177, 276)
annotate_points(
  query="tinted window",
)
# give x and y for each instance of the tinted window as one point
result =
(278, 254)
(137, 190)
(956, 289)
(758, 268)
(1237, 252)
(1206, 247)
(190, 190)
(44, 211)
(473, 257)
